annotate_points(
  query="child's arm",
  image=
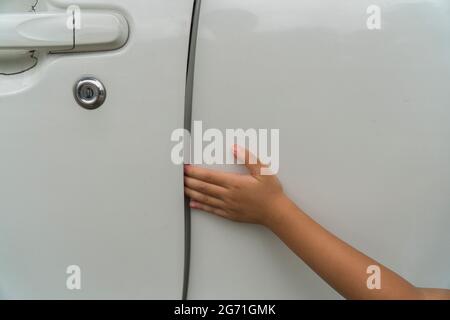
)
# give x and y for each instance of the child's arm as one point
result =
(260, 199)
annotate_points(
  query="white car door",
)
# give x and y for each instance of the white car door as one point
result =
(364, 128)
(92, 192)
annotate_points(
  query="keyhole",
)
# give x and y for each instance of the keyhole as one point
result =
(88, 93)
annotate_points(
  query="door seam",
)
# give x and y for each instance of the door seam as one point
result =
(189, 92)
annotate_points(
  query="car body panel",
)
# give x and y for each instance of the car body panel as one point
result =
(97, 188)
(363, 118)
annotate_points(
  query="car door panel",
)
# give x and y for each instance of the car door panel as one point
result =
(363, 118)
(97, 189)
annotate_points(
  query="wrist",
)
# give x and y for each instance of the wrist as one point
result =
(278, 211)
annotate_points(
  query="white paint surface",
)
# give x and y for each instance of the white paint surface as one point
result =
(97, 188)
(365, 137)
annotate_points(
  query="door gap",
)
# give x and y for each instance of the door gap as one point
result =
(189, 92)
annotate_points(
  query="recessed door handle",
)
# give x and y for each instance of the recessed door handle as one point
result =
(95, 31)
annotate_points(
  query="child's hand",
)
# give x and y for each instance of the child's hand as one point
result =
(252, 198)
(260, 199)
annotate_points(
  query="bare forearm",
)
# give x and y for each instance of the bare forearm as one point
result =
(341, 266)
(260, 199)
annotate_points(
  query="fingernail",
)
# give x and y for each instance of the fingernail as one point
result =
(240, 153)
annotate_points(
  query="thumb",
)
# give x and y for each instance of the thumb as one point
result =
(250, 161)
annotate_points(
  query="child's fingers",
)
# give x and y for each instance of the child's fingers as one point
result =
(250, 160)
(215, 177)
(207, 208)
(204, 198)
(205, 188)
